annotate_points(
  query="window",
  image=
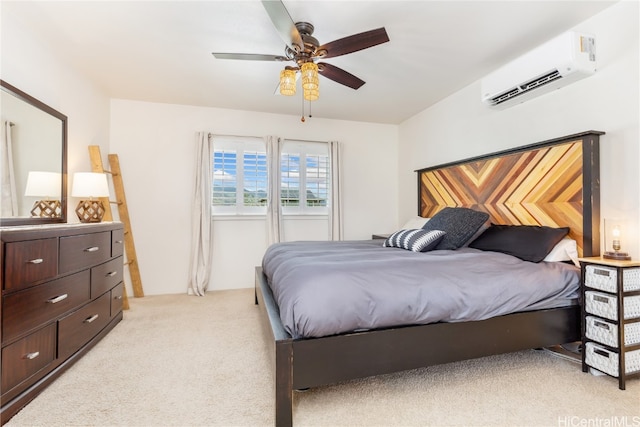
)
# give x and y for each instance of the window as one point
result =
(240, 177)
(239, 163)
(304, 178)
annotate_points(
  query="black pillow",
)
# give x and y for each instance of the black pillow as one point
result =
(459, 224)
(416, 240)
(527, 242)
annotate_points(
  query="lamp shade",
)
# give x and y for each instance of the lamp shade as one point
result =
(90, 184)
(311, 94)
(44, 184)
(309, 72)
(288, 82)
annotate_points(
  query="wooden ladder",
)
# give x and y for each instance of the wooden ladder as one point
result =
(123, 211)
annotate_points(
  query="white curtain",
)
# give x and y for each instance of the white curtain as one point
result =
(274, 209)
(335, 213)
(202, 230)
(9, 199)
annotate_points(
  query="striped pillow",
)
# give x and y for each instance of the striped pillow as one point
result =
(416, 240)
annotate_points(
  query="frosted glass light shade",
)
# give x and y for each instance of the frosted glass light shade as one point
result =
(90, 184)
(47, 184)
(311, 94)
(287, 82)
(309, 71)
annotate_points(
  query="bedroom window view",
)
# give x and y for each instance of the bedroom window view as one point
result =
(240, 179)
(309, 173)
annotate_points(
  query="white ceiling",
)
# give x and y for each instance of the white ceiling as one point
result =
(160, 51)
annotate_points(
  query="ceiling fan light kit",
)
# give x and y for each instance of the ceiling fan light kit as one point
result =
(311, 94)
(302, 48)
(309, 72)
(288, 82)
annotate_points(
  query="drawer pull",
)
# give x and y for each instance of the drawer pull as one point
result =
(92, 249)
(57, 299)
(111, 274)
(36, 261)
(601, 353)
(601, 299)
(601, 325)
(118, 297)
(31, 356)
(91, 319)
(118, 241)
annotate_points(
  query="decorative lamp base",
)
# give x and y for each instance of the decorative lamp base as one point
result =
(620, 256)
(90, 211)
(47, 209)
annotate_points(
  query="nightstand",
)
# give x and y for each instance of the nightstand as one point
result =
(611, 317)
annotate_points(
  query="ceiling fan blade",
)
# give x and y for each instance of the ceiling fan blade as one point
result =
(249, 56)
(284, 24)
(339, 75)
(354, 43)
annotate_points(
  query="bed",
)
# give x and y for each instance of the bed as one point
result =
(553, 183)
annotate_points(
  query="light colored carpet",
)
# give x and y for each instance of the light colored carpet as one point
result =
(180, 360)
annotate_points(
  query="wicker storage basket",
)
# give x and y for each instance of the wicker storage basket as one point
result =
(606, 278)
(605, 305)
(607, 361)
(607, 333)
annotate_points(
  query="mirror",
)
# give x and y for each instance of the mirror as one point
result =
(33, 160)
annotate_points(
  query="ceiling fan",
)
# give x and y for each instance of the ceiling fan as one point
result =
(304, 49)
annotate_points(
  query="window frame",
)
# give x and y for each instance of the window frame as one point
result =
(240, 145)
(303, 149)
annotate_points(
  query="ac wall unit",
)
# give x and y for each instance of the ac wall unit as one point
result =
(562, 60)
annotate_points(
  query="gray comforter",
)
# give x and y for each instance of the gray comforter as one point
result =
(327, 288)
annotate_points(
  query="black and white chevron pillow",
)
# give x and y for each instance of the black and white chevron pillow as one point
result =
(416, 240)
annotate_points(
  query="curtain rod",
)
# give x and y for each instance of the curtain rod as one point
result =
(260, 137)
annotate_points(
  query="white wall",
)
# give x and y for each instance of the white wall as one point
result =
(460, 126)
(155, 144)
(30, 64)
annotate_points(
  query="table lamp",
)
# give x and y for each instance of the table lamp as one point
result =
(47, 185)
(90, 185)
(614, 233)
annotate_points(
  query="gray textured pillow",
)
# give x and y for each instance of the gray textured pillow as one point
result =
(460, 224)
(416, 240)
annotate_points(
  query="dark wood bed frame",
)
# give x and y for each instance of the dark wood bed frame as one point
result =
(305, 363)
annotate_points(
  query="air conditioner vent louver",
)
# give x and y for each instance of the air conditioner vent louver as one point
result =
(559, 62)
(554, 75)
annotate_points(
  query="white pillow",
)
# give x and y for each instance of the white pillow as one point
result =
(415, 222)
(565, 250)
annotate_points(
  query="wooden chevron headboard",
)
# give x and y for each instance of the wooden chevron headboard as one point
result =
(554, 183)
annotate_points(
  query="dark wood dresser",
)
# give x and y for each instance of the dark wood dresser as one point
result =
(62, 292)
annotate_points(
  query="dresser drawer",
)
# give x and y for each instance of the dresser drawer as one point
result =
(24, 358)
(117, 295)
(105, 276)
(28, 309)
(76, 329)
(29, 261)
(117, 242)
(85, 250)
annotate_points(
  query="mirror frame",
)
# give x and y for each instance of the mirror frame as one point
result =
(46, 109)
